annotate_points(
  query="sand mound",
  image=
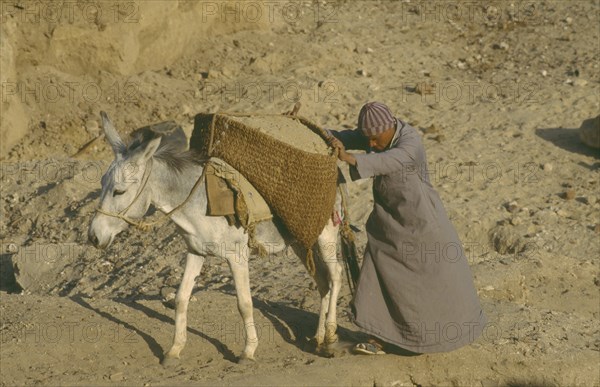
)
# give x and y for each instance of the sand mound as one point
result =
(289, 131)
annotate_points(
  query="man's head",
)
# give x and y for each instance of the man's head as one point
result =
(377, 124)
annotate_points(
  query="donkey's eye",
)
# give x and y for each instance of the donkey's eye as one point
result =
(118, 192)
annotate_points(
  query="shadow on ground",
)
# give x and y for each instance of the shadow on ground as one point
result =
(567, 139)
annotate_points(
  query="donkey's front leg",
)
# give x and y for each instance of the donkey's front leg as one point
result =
(193, 265)
(241, 278)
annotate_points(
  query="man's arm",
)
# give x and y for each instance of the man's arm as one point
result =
(394, 160)
(351, 138)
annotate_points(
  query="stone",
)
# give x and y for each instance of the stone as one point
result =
(504, 240)
(168, 293)
(547, 167)
(512, 206)
(589, 132)
(425, 88)
(569, 194)
(431, 129)
(117, 376)
(92, 127)
(515, 221)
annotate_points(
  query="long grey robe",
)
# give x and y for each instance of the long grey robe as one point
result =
(415, 288)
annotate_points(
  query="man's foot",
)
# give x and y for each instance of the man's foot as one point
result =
(371, 347)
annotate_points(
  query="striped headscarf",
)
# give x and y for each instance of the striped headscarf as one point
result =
(375, 118)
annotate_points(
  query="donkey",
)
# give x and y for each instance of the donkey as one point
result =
(155, 168)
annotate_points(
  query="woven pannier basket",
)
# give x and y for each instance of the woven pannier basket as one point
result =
(299, 185)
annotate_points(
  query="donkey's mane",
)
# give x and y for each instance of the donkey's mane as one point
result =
(171, 151)
(176, 159)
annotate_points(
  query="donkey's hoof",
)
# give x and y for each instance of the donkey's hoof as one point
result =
(169, 361)
(313, 345)
(245, 360)
(324, 351)
(331, 339)
(336, 349)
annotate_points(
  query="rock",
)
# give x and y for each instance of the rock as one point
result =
(563, 213)
(569, 20)
(579, 82)
(431, 129)
(490, 383)
(547, 167)
(425, 88)
(117, 376)
(515, 221)
(9, 248)
(37, 266)
(569, 194)
(589, 132)
(13, 114)
(92, 127)
(544, 73)
(512, 206)
(168, 293)
(362, 72)
(501, 46)
(505, 240)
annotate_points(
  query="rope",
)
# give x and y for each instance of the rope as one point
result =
(266, 162)
(252, 242)
(349, 251)
(146, 226)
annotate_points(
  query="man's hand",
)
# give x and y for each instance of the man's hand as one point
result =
(342, 154)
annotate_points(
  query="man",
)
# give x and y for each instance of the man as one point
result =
(415, 289)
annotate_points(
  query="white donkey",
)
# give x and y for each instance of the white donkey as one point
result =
(155, 169)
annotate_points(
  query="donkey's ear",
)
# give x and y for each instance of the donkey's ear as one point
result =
(146, 150)
(112, 135)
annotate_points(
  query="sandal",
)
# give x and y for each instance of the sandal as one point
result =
(368, 349)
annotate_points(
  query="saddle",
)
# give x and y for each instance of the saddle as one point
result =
(231, 195)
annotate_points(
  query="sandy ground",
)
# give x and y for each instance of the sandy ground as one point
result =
(498, 92)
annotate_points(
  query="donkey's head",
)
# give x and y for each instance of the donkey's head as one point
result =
(124, 194)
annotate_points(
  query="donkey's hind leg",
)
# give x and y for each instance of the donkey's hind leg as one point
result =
(325, 293)
(241, 278)
(327, 243)
(193, 265)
